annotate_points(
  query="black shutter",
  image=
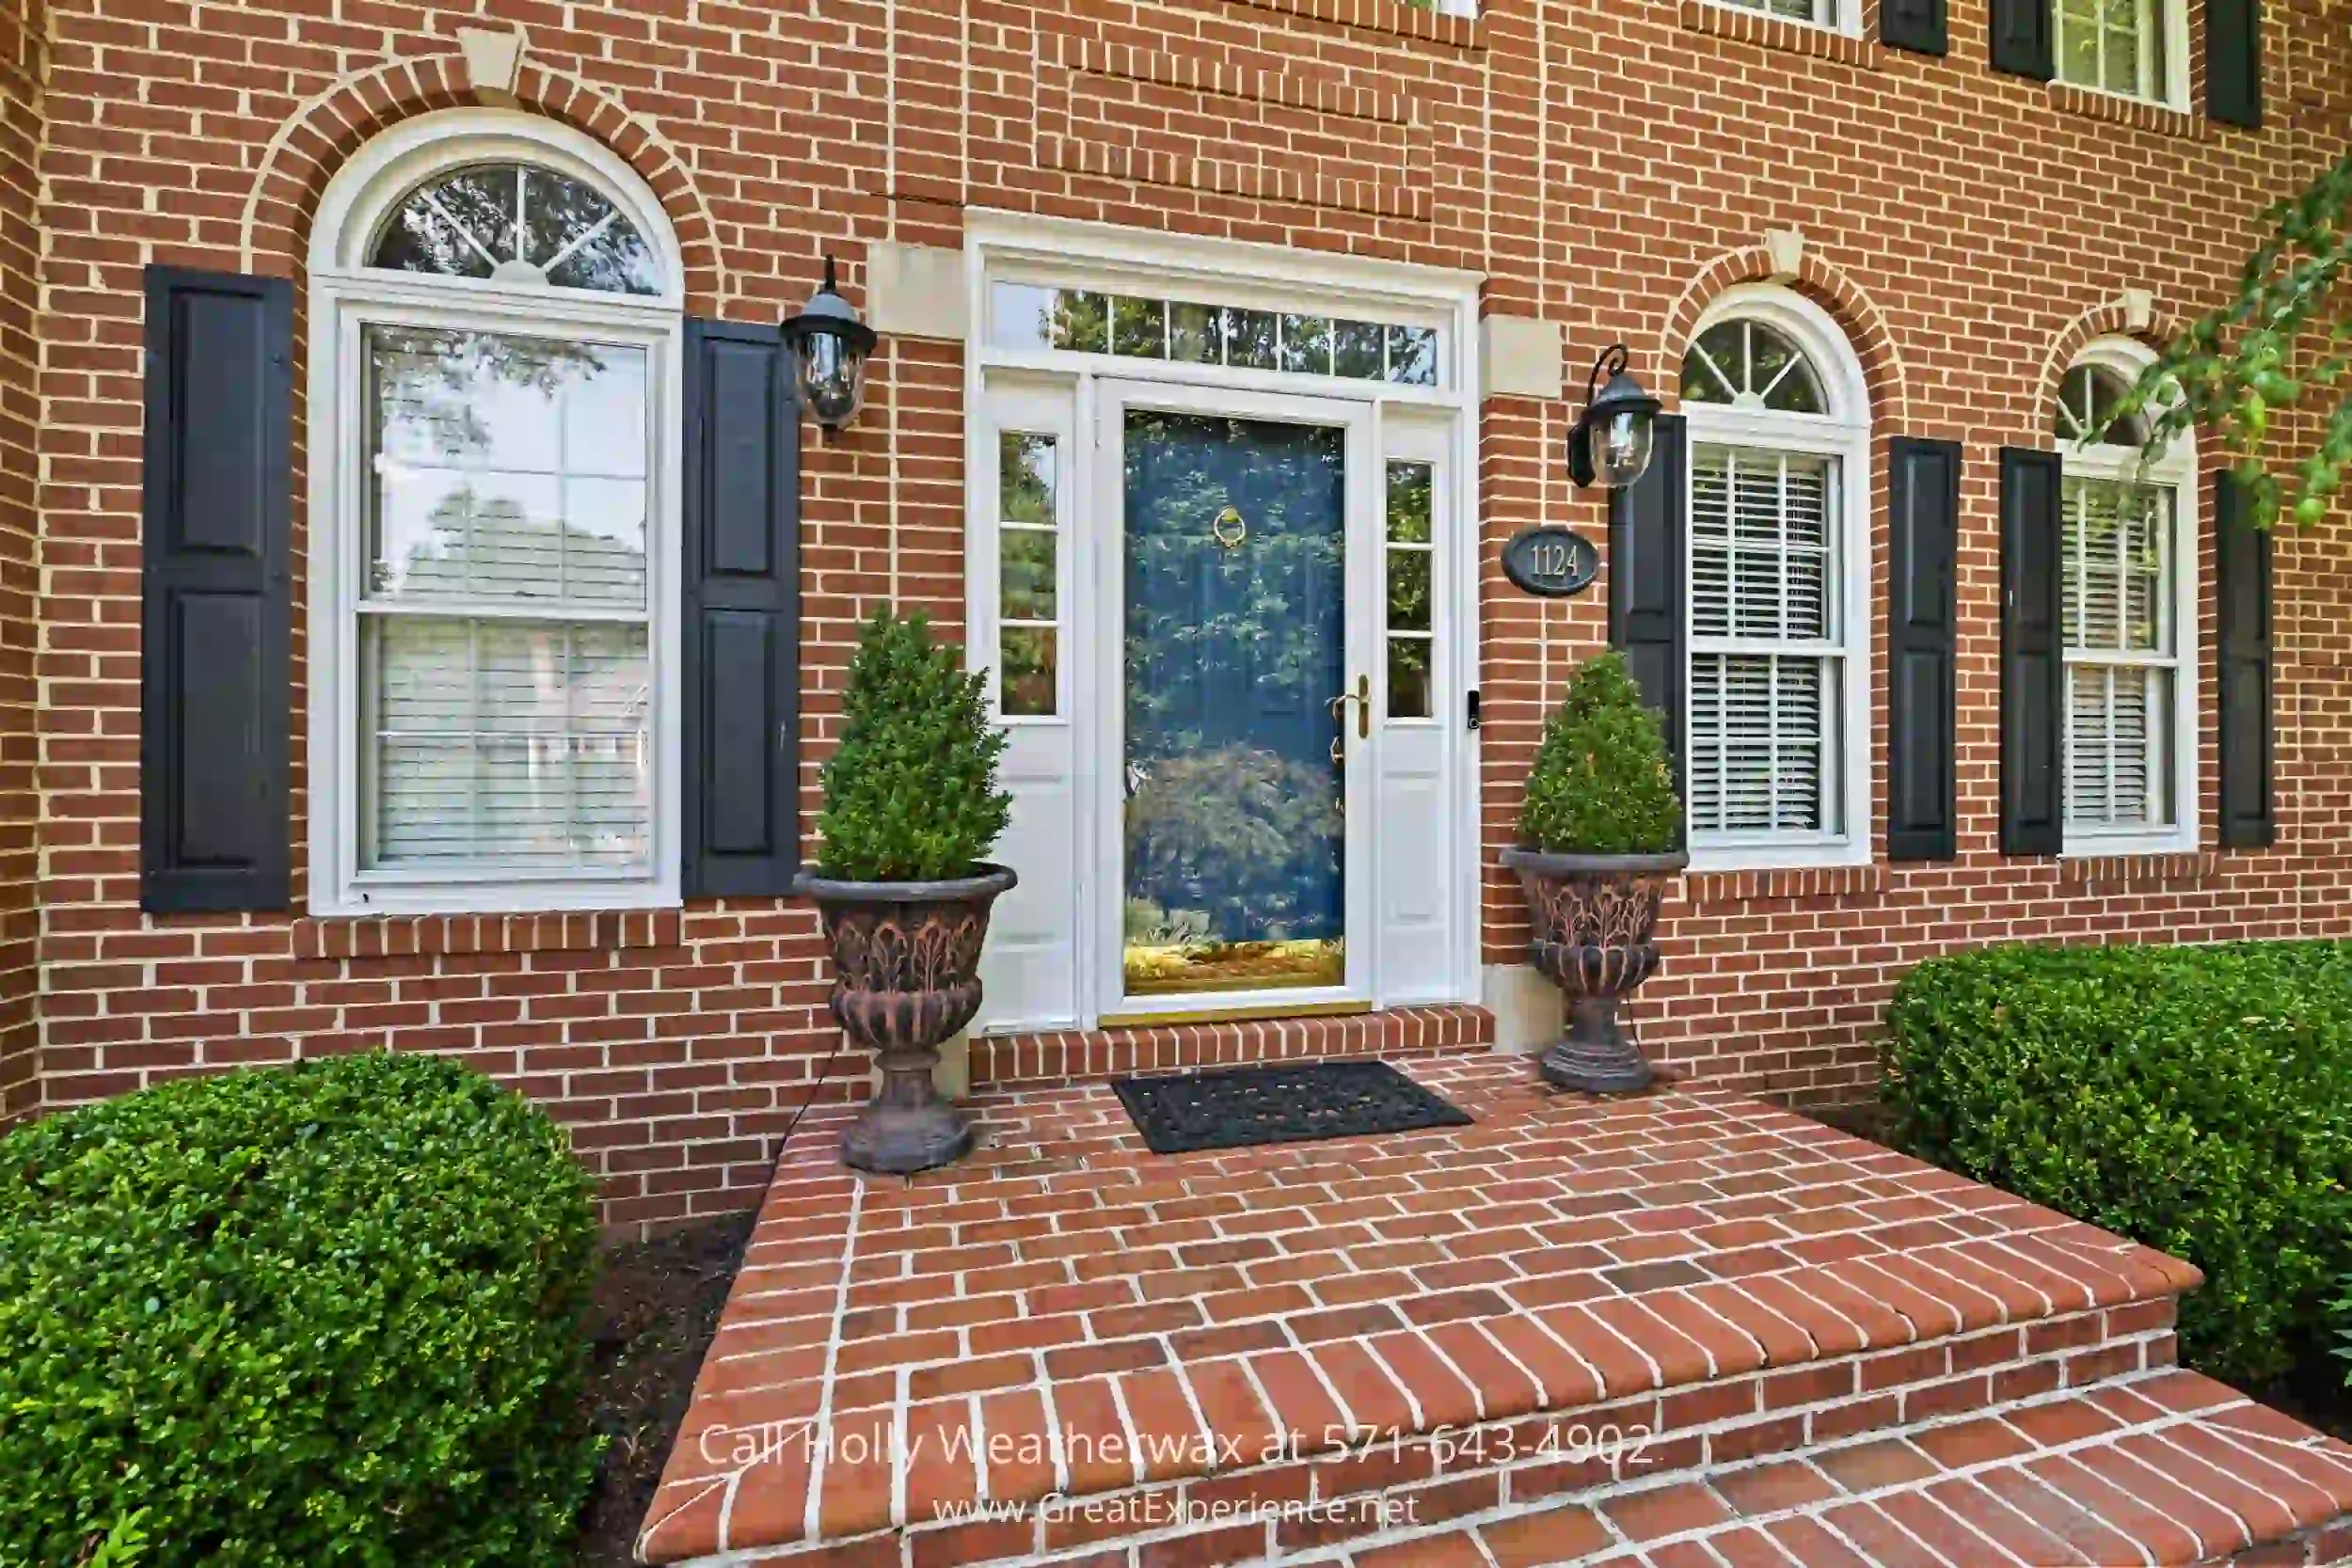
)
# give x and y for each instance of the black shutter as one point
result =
(2022, 40)
(741, 748)
(1923, 504)
(1648, 543)
(216, 667)
(2033, 673)
(2243, 669)
(2233, 61)
(1918, 25)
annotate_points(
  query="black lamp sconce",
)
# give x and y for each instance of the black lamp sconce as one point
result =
(830, 346)
(1611, 443)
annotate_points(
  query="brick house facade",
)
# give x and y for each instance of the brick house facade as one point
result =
(1578, 174)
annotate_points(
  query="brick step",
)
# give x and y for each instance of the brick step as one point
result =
(2165, 1468)
(1043, 1060)
(2161, 1468)
(1459, 1312)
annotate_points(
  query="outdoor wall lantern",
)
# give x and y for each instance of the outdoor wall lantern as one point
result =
(1610, 442)
(828, 348)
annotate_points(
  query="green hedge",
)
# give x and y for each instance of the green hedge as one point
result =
(321, 1314)
(2195, 1099)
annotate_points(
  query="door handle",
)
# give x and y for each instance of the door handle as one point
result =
(1361, 697)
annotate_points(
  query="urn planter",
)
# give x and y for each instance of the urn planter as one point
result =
(906, 958)
(1593, 918)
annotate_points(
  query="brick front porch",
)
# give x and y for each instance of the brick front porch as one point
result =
(1807, 1349)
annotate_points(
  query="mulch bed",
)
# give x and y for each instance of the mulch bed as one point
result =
(656, 1307)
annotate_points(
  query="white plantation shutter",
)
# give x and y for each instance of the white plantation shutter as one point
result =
(505, 628)
(2121, 658)
(1765, 662)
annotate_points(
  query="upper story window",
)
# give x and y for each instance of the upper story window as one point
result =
(1823, 12)
(496, 334)
(2118, 46)
(1778, 563)
(2126, 559)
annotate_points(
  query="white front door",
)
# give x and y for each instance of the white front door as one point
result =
(1220, 563)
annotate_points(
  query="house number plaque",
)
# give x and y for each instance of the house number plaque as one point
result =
(1553, 562)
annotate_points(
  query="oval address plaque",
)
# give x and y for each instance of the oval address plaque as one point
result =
(1551, 561)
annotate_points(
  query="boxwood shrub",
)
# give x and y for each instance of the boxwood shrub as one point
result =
(2195, 1099)
(321, 1314)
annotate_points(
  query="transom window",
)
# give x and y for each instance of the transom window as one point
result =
(2114, 45)
(1131, 327)
(517, 224)
(2088, 400)
(2125, 616)
(1748, 365)
(496, 352)
(1776, 627)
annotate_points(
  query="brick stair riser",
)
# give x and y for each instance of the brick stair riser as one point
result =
(1044, 1060)
(1658, 1514)
(1497, 1466)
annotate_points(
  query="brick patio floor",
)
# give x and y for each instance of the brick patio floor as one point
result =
(1656, 1326)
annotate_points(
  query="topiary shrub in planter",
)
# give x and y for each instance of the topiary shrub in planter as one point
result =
(320, 1314)
(2195, 1099)
(1600, 832)
(903, 887)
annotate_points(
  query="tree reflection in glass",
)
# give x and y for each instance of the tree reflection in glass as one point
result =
(1234, 646)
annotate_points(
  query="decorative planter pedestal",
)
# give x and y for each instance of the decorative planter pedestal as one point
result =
(906, 958)
(1593, 917)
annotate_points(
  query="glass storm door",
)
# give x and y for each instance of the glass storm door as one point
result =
(1238, 703)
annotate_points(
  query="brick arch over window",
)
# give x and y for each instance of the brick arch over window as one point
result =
(320, 136)
(1866, 329)
(2112, 320)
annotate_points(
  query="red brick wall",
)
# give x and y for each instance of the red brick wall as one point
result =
(1604, 163)
(20, 583)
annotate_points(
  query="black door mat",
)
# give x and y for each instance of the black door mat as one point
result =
(1239, 1107)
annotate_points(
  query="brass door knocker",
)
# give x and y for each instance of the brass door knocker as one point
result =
(1229, 530)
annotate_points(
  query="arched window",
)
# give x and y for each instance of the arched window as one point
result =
(2128, 613)
(516, 223)
(1779, 570)
(495, 331)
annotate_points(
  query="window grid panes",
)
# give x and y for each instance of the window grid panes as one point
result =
(2087, 403)
(1028, 611)
(1747, 365)
(516, 223)
(505, 680)
(2121, 655)
(1767, 659)
(1029, 316)
(1410, 560)
(2112, 45)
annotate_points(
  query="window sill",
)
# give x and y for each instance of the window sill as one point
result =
(2138, 113)
(2138, 869)
(1826, 881)
(1717, 20)
(408, 935)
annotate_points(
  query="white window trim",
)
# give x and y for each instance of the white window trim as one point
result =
(344, 296)
(2173, 93)
(2175, 471)
(1843, 433)
(1845, 16)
